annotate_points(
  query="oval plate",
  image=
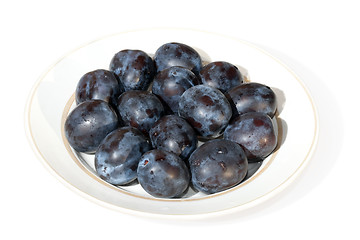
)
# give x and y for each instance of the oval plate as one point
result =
(52, 97)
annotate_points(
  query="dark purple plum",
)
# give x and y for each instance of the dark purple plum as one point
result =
(88, 124)
(173, 134)
(177, 54)
(221, 75)
(255, 133)
(117, 158)
(253, 97)
(99, 84)
(171, 83)
(134, 68)
(217, 165)
(206, 109)
(139, 109)
(163, 174)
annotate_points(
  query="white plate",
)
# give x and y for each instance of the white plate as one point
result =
(52, 98)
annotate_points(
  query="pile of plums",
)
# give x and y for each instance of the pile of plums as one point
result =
(171, 121)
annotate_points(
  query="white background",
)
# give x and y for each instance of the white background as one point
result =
(319, 40)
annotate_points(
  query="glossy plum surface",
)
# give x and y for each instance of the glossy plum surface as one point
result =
(173, 134)
(163, 174)
(177, 54)
(88, 124)
(99, 84)
(139, 109)
(134, 68)
(255, 133)
(221, 75)
(172, 123)
(217, 165)
(253, 97)
(118, 155)
(171, 83)
(206, 109)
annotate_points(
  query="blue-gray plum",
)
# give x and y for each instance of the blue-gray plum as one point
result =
(118, 155)
(98, 84)
(177, 54)
(134, 68)
(139, 109)
(206, 109)
(88, 124)
(253, 97)
(173, 134)
(255, 133)
(217, 165)
(221, 75)
(170, 83)
(163, 174)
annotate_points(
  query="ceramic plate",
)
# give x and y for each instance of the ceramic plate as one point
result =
(52, 98)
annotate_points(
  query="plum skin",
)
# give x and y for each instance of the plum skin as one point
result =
(206, 109)
(177, 54)
(88, 124)
(170, 83)
(139, 109)
(118, 155)
(255, 132)
(134, 68)
(98, 84)
(163, 174)
(221, 75)
(172, 133)
(250, 135)
(253, 97)
(217, 165)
